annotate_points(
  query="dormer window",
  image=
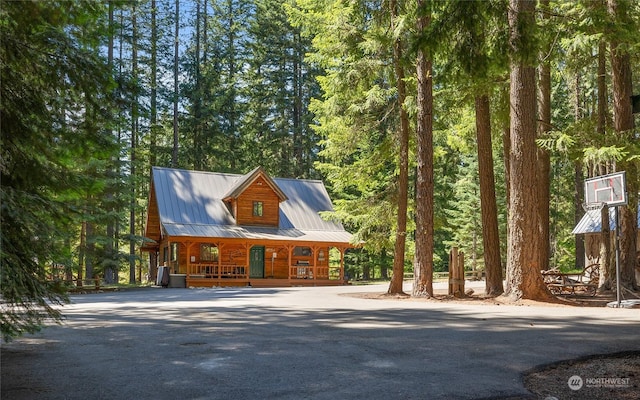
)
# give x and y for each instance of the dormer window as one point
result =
(257, 209)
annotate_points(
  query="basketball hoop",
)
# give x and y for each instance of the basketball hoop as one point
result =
(611, 190)
(597, 206)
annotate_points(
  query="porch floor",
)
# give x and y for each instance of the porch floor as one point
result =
(262, 282)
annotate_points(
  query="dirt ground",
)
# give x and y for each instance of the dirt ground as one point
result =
(597, 378)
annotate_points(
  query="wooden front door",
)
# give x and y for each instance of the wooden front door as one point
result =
(256, 262)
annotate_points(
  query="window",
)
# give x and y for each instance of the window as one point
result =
(174, 251)
(302, 251)
(257, 209)
(208, 252)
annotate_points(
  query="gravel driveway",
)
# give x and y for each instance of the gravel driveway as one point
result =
(297, 343)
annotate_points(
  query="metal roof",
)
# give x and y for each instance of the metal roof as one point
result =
(190, 203)
(592, 223)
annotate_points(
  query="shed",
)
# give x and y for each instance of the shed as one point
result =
(590, 225)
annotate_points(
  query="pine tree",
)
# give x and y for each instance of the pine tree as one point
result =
(523, 269)
(51, 130)
(423, 265)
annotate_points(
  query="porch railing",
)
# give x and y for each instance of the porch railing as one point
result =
(217, 271)
(306, 272)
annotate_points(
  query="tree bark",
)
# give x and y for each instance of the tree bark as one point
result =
(623, 124)
(176, 48)
(578, 199)
(488, 206)
(543, 160)
(134, 133)
(113, 170)
(153, 110)
(524, 280)
(602, 91)
(395, 286)
(423, 266)
(607, 269)
(578, 181)
(198, 155)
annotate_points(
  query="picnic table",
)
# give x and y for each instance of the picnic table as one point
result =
(573, 283)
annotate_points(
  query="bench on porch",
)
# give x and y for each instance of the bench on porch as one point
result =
(570, 283)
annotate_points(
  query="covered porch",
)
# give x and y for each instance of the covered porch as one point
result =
(223, 262)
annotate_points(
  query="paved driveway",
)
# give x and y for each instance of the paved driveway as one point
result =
(299, 343)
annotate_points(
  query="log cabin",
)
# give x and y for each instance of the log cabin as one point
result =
(221, 229)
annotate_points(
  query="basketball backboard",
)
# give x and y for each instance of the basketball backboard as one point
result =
(610, 189)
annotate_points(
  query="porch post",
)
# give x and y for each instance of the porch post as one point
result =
(189, 267)
(247, 250)
(342, 250)
(315, 262)
(289, 257)
(220, 245)
(153, 266)
(188, 257)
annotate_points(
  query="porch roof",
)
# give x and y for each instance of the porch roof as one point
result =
(250, 232)
(591, 222)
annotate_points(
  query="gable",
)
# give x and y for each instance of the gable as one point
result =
(249, 179)
(152, 224)
(269, 205)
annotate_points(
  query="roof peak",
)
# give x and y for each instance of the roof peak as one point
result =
(244, 181)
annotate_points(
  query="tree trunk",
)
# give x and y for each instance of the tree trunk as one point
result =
(607, 268)
(81, 252)
(176, 48)
(506, 151)
(524, 280)
(623, 124)
(543, 182)
(578, 180)
(602, 90)
(90, 252)
(488, 206)
(578, 199)
(153, 111)
(298, 147)
(134, 133)
(395, 286)
(198, 155)
(423, 265)
(110, 253)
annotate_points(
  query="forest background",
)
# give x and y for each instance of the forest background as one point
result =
(95, 93)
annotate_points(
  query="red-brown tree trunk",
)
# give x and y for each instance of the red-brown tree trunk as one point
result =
(488, 206)
(423, 265)
(623, 124)
(544, 161)
(524, 280)
(395, 286)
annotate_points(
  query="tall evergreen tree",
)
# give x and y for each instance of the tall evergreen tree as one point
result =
(423, 265)
(398, 44)
(543, 164)
(623, 125)
(54, 108)
(523, 269)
